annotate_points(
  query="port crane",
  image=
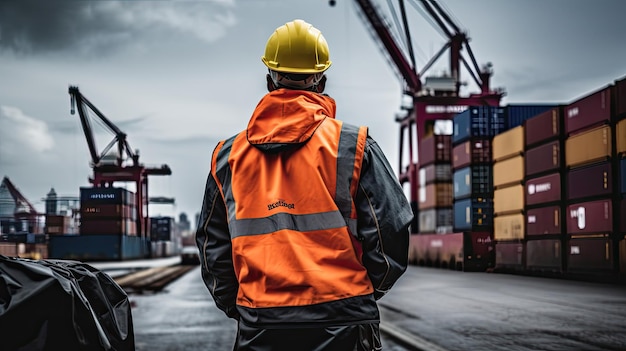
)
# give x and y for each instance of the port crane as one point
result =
(110, 166)
(438, 97)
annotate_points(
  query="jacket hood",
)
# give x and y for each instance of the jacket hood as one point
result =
(286, 118)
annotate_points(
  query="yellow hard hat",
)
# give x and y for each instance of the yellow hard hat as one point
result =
(297, 47)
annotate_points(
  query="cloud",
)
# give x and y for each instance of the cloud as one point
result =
(32, 26)
(19, 131)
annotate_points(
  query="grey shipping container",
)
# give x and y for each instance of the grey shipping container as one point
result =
(108, 195)
(590, 254)
(435, 173)
(590, 217)
(544, 127)
(543, 190)
(544, 221)
(435, 220)
(589, 110)
(543, 158)
(590, 181)
(544, 254)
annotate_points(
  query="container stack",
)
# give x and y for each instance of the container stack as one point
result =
(620, 150)
(544, 190)
(591, 183)
(162, 236)
(435, 185)
(508, 198)
(107, 211)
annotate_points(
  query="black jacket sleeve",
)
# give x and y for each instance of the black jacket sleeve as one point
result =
(213, 241)
(384, 215)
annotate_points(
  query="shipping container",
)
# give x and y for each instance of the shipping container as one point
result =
(620, 97)
(509, 199)
(543, 158)
(474, 180)
(435, 173)
(478, 121)
(590, 217)
(435, 149)
(509, 227)
(588, 146)
(98, 247)
(543, 190)
(517, 114)
(435, 220)
(8, 249)
(435, 195)
(544, 221)
(104, 211)
(544, 127)
(508, 172)
(590, 253)
(475, 151)
(473, 214)
(590, 181)
(467, 251)
(106, 195)
(544, 254)
(508, 144)
(510, 255)
(161, 228)
(620, 136)
(590, 110)
(108, 226)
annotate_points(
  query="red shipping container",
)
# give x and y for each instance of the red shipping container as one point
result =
(543, 190)
(587, 253)
(543, 158)
(620, 97)
(589, 110)
(544, 221)
(590, 217)
(105, 227)
(543, 127)
(104, 211)
(544, 254)
(435, 195)
(471, 152)
(589, 181)
(509, 255)
(435, 149)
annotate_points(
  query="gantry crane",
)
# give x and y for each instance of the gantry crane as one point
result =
(108, 170)
(430, 102)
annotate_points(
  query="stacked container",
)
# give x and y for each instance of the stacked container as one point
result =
(544, 191)
(107, 211)
(508, 176)
(591, 183)
(435, 188)
(620, 150)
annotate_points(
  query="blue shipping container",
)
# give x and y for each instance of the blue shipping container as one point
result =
(473, 180)
(474, 213)
(478, 121)
(517, 114)
(98, 247)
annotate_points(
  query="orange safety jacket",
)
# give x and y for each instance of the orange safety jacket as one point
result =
(285, 192)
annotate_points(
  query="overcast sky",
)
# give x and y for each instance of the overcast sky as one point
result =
(178, 76)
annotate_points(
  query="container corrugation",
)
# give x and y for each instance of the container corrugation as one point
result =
(478, 121)
(435, 220)
(544, 221)
(509, 227)
(473, 214)
(473, 180)
(516, 115)
(620, 135)
(98, 247)
(590, 253)
(591, 181)
(103, 211)
(622, 172)
(110, 226)
(620, 97)
(508, 144)
(544, 127)
(110, 195)
(510, 255)
(475, 151)
(508, 172)
(435, 173)
(543, 158)
(589, 110)
(508, 199)
(435, 195)
(590, 217)
(588, 146)
(543, 190)
(435, 149)
(544, 254)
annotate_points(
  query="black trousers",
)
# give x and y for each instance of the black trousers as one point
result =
(357, 337)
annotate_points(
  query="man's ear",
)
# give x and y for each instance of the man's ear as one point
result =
(321, 85)
(270, 83)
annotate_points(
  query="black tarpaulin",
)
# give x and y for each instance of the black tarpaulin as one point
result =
(61, 305)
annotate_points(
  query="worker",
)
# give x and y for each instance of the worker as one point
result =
(303, 224)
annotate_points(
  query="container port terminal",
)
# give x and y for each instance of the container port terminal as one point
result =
(518, 240)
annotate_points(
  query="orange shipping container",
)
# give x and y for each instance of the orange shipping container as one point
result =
(621, 136)
(508, 172)
(509, 227)
(508, 144)
(435, 195)
(589, 146)
(509, 199)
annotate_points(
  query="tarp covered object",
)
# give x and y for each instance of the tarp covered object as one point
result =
(61, 305)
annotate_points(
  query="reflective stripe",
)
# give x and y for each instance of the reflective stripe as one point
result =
(351, 142)
(280, 221)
